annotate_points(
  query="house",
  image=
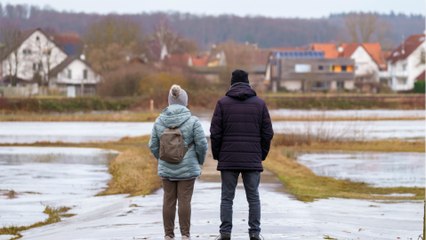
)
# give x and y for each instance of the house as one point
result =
(35, 60)
(30, 59)
(308, 71)
(370, 64)
(406, 63)
(74, 77)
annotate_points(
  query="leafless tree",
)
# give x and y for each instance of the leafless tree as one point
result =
(10, 35)
(110, 40)
(361, 26)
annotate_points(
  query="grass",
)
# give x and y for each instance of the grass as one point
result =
(307, 186)
(124, 116)
(55, 215)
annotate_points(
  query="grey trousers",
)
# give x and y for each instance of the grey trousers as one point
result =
(180, 192)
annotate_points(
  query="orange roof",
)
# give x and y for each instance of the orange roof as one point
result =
(348, 49)
(200, 61)
(375, 51)
(329, 49)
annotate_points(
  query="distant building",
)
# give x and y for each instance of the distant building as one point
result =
(308, 71)
(405, 63)
(38, 60)
(74, 77)
(370, 64)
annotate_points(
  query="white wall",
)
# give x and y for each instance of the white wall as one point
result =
(404, 79)
(76, 67)
(364, 64)
(292, 85)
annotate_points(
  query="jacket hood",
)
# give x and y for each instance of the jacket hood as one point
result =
(241, 91)
(174, 115)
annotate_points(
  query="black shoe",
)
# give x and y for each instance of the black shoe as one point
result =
(224, 236)
(255, 236)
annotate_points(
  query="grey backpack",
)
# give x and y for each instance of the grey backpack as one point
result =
(172, 145)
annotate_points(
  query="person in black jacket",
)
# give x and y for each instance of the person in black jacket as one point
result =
(241, 134)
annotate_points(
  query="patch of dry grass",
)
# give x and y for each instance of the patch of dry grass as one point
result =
(125, 116)
(55, 215)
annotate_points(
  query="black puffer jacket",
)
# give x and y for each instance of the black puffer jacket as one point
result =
(241, 130)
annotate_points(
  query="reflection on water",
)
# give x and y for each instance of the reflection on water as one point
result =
(378, 169)
(47, 176)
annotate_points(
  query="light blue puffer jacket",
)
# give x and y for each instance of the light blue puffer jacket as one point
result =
(192, 131)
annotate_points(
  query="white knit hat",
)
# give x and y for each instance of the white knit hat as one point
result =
(178, 96)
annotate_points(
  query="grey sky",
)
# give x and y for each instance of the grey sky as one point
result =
(270, 8)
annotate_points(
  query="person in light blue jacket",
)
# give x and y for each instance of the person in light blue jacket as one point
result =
(179, 179)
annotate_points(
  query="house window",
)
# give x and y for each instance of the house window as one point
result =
(404, 67)
(302, 68)
(340, 85)
(320, 85)
(85, 74)
(320, 67)
(37, 66)
(26, 51)
(344, 68)
(37, 38)
(350, 68)
(336, 68)
(69, 73)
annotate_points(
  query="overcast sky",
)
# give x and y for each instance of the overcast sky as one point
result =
(270, 8)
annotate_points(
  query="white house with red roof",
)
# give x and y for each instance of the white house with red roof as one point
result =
(405, 63)
(370, 64)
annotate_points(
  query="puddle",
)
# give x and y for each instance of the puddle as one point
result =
(378, 169)
(47, 176)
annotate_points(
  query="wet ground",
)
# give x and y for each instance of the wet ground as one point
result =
(283, 217)
(30, 132)
(378, 169)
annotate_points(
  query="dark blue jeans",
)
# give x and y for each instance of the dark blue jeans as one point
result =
(251, 180)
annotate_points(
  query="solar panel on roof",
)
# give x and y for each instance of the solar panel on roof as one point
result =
(299, 54)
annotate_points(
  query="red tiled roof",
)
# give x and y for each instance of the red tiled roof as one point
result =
(406, 48)
(375, 51)
(200, 61)
(348, 49)
(64, 38)
(177, 59)
(329, 49)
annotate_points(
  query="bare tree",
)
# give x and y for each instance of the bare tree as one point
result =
(110, 40)
(164, 38)
(10, 35)
(361, 26)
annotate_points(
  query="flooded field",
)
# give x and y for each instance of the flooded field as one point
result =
(378, 169)
(366, 113)
(30, 132)
(35, 177)
(46, 176)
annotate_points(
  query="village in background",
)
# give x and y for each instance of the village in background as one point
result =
(114, 57)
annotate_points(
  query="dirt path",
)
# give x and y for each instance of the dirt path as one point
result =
(283, 217)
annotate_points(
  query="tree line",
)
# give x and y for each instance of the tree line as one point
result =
(389, 29)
